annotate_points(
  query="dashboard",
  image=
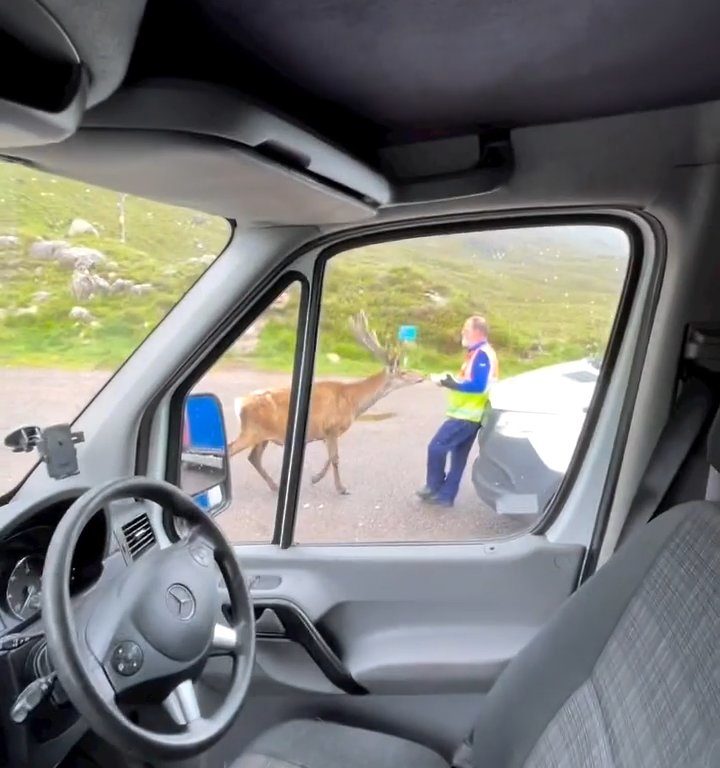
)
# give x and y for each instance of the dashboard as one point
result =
(111, 540)
(22, 557)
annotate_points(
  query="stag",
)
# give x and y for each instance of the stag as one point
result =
(334, 406)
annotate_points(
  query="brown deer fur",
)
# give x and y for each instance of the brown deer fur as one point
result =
(334, 405)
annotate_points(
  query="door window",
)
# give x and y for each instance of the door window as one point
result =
(453, 379)
(251, 382)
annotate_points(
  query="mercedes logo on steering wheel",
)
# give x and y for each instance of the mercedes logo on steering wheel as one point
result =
(180, 602)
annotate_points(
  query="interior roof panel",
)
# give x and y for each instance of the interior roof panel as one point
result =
(410, 68)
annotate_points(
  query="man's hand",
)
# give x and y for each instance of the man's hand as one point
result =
(443, 379)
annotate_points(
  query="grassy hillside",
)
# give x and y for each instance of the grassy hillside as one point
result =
(160, 243)
(543, 307)
(549, 295)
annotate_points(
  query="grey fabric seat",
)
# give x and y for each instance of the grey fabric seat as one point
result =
(314, 744)
(627, 675)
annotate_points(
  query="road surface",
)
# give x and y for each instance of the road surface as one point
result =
(382, 463)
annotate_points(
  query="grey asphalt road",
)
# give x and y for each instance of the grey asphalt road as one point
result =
(382, 463)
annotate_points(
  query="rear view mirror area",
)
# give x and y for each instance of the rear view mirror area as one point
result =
(203, 459)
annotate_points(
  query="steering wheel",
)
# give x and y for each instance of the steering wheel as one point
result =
(145, 633)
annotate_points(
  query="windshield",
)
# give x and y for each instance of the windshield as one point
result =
(85, 275)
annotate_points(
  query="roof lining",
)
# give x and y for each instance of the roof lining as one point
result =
(395, 71)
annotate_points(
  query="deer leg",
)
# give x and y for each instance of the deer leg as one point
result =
(317, 477)
(255, 458)
(332, 445)
(240, 443)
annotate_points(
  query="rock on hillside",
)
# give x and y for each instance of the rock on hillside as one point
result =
(66, 255)
(81, 315)
(142, 289)
(85, 285)
(121, 285)
(45, 250)
(9, 241)
(81, 227)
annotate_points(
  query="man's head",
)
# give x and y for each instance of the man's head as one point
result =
(474, 331)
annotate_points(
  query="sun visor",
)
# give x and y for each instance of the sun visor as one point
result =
(207, 110)
(59, 57)
(208, 174)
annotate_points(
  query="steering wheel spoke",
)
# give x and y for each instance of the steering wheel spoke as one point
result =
(182, 704)
(102, 682)
(225, 641)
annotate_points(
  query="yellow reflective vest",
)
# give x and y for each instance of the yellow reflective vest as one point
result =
(470, 406)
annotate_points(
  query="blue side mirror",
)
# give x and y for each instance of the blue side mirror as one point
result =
(204, 457)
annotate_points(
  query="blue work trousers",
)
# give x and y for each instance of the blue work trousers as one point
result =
(455, 437)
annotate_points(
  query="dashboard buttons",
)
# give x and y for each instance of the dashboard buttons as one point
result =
(15, 641)
(127, 658)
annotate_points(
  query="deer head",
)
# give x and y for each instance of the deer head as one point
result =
(389, 355)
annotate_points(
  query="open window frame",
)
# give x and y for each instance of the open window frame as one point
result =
(307, 337)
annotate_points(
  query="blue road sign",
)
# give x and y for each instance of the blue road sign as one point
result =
(407, 333)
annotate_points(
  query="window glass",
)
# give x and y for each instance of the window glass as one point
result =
(250, 383)
(85, 275)
(453, 377)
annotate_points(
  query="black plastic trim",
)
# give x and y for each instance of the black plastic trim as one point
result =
(300, 629)
(28, 513)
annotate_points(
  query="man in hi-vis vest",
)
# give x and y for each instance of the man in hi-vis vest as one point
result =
(468, 396)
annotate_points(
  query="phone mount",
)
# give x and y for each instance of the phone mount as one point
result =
(55, 444)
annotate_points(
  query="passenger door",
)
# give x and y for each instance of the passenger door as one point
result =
(375, 607)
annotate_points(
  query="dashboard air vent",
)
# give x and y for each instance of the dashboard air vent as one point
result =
(139, 535)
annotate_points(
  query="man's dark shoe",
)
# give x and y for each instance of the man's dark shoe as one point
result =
(435, 501)
(425, 493)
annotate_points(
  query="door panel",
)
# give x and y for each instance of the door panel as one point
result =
(425, 630)
(415, 620)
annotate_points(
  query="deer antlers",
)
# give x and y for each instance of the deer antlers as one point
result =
(360, 329)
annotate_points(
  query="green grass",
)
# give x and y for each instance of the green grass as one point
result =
(540, 311)
(548, 298)
(160, 241)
